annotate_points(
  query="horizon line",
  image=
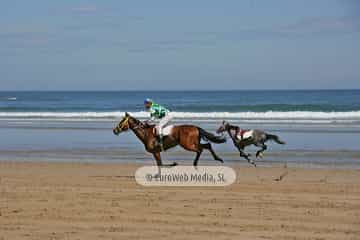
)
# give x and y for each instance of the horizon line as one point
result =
(181, 90)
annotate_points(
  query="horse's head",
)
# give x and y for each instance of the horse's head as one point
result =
(223, 127)
(123, 125)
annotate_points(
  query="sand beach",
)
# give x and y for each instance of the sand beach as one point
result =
(53, 200)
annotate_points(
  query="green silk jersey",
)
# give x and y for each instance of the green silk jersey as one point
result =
(157, 111)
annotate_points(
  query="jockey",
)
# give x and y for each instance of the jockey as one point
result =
(158, 114)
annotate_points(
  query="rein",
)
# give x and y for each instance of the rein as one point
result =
(141, 125)
(237, 131)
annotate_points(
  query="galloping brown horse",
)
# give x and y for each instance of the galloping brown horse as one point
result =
(187, 136)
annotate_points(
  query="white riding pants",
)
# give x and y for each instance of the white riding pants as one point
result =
(162, 123)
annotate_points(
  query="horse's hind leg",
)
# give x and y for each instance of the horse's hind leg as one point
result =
(208, 147)
(198, 153)
(263, 148)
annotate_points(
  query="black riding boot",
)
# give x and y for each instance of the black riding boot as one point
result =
(160, 141)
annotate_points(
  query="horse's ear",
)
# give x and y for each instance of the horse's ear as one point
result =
(127, 114)
(223, 123)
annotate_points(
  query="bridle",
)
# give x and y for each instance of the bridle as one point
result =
(136, 125)
(126, 120)
(228, 127)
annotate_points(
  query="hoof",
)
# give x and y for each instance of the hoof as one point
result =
(169, 165)
(220, 160)
(252, 163)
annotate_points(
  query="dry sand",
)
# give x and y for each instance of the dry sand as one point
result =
(103, 201)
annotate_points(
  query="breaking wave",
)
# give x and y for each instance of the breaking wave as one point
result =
(268, 115)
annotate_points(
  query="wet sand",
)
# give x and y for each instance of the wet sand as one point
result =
(40, 200)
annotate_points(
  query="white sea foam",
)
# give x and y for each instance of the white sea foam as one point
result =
(269, 115)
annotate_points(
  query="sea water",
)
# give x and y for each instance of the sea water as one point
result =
(318, 125)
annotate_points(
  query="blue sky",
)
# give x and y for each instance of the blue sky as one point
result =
(129, 45)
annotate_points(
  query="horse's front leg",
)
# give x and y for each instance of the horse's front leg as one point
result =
(198, 153)
(158, 160)
(159, 163)
(157, 157)
(245, 155)
(241, 147)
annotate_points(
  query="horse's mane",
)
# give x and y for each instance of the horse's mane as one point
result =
(138, 122)
(228, 125)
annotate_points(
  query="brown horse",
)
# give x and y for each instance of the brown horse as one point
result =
(187, 136)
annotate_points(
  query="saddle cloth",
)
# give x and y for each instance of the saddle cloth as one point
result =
(244, 134)
(167, 130)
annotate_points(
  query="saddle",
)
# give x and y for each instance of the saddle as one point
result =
(244, 134)
(149, 125)
(165, 131)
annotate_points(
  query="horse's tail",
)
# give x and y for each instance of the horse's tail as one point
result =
(211, 137)
(274, 138)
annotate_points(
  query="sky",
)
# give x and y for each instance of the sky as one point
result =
(179, 45)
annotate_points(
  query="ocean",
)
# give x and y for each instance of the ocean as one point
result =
(319, 126)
